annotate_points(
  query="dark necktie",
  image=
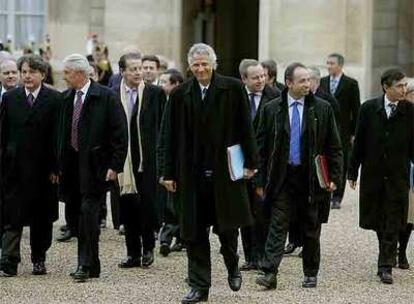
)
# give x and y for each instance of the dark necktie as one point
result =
(203, 93)
(77, 108)
(252, 102)
(392, 107)
(294, 148)
(30, 99)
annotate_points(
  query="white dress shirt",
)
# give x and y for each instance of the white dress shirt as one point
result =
(35, 93)
(301, 104)
(84, 91)
(387, 107)
(257, 97)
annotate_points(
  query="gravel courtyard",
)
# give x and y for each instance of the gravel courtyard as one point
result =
(348, 273)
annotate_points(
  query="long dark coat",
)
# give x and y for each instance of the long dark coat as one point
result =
(348, 97)
(153, 102)
(273, 140)
(383, 148)
(103, 139)
(228, 119)
(28, 157)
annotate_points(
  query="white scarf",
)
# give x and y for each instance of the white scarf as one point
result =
(126, 179)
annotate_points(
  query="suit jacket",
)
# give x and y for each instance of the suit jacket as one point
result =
(268, 94)
(334, 104)
(347, 95)
(322, 137)
(103, 139)
(28, 157)
(221, 121)
(152, 106)
(383, 148)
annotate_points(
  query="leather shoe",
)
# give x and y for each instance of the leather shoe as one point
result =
(403, 261)
(148, 258)
(309, 282)
(7, 274)
(177, 247)
(235, 280)
(81, 274)
(335, 205)
(290, 248)
(39, 268)
(102, 225)
(130, 262)
(195, 296)
(386, 277)
(66, 236)
(165, 249)
(268, 280)
(92, 274)
(248, 266)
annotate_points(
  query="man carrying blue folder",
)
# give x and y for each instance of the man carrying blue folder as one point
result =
(293, 130)
(205, 116)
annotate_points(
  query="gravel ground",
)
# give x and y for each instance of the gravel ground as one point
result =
(348, 273)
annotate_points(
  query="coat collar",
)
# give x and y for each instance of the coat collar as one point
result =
(216, 80)
(380, 106)
(93, 91)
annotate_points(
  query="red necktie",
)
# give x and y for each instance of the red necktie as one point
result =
(77, 108)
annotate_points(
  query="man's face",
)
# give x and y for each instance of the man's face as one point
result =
(397, 90)
(269, 80)
(202, 68)
(9, 75)
(314, 84)
(299, 86)
(410, 96)
(31, 78)
(133, 72)
(166, 84)
(255, 79)
(72, 77)
(150, 71)
(333, 66)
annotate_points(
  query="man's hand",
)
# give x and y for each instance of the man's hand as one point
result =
(332, 187)
(54, 178)
(111, 175)
(352, 184)
(170, 185)
(249, 173)
(260, 192)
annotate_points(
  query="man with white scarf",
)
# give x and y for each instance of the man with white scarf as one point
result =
(143, 105)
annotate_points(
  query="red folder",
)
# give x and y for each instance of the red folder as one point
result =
(322, 171)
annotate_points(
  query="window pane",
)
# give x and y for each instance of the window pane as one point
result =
(3, 5)
(29, 29)
(3, 28)
(30, 6)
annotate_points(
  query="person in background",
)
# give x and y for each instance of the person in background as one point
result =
(270, 68)
(151, 67)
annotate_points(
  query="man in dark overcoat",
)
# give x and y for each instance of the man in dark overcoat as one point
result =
(91, 152)
(293, 129)
(208, 115)
(383, 148)
(28, 166)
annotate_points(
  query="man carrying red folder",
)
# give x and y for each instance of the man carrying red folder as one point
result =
(295, 131)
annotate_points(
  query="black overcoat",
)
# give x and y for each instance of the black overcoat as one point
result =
(383, 148)
(28, 157)
(229, 123)
(273, 141)
(103, 139)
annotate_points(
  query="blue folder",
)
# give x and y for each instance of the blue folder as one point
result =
(235, 160)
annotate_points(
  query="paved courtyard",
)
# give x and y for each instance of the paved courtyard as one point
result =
(347, 273)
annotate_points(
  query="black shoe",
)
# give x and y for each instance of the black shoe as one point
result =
(177, 247)
(148, 258)
(65, 236)
(39, 268)
(7, 273)
(248, 266)
(309, 282)
(130, 262)
(290, 248)
(92, 274)
(195, 296)
(121, 230)
(165, 249)
(235, 279)
(82, 274)
(63, 228)
(403, 261)
(335, 205)
(385, 277)
(268, 281)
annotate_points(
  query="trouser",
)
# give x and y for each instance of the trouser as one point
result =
(40, 242)
(198, 249)
(115, 205)
(104, 209)
(387, 242)
(292, 205)
(338, 194)
(72, 210)
(254, 236)
(295, 236)
(170, 229)
(403, 238)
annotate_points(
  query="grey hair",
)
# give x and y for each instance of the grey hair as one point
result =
(245, 64)
(314, 72)
(5, 61)
(77, 62)
(202, 49)
(410, 85)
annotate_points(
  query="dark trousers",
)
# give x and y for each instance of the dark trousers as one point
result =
(387, 242)
(292, 205)
(198, 249)
(170, 229)
(104, 209)
(254, 236)
(115, 205)
(40, 242)
(338, 194)
(295, 237)
(403, 238)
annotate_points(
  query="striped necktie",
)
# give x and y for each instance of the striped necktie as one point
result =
(75, 121)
